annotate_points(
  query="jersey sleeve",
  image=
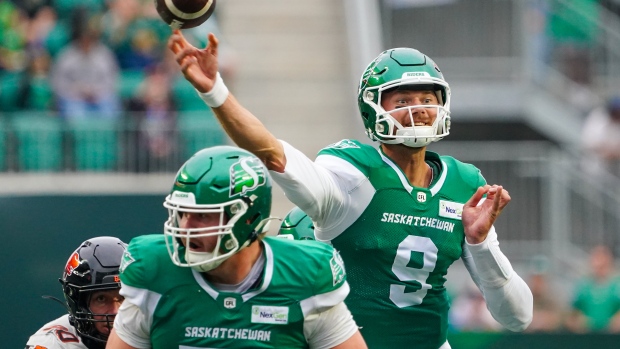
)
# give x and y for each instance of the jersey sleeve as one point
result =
(132, 326)
(329, 328)
(138, 297)
(330, 285)
(57, 334)
(329, 189)
(507, 296)
(137, 267)
(308, 185)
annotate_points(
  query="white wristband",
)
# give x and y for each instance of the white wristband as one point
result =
(218, 94)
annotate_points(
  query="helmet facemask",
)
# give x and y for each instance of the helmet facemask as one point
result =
(389, 131)
(84, 319)
(179, 239)
(234, 188)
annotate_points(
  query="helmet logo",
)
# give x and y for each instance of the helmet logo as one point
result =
(72, 263)
(245, 175)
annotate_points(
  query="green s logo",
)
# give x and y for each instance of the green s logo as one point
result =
(247, 174)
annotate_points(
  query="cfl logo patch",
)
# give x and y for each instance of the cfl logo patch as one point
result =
(230, 303)
(421, 196)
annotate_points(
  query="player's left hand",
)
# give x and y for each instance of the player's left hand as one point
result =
(478, 217)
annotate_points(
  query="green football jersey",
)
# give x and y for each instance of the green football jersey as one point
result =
(299, 278)
(397, 253)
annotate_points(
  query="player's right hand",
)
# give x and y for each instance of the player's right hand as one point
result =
(198, 66)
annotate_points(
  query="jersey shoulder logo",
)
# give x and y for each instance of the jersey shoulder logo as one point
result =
(337, 267)
(126, 261)
(343, 144)
(246, 174)
(450, 209)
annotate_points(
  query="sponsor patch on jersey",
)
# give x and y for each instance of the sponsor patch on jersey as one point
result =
(126, 261)
(450, 209)
(246, 174)
(343, 144)
(337, 266)
(264, 314)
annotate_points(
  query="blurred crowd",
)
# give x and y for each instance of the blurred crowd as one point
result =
(593, 304)
(101, 60)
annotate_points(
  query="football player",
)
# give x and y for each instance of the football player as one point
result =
(399, 215)
(297, 226)
(91, 284)
(213, 280)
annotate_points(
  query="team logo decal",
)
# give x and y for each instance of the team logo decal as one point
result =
(230, 303)
(343, 144)
(126, 261)
(337, 266)
(72, 263)
(247, 174)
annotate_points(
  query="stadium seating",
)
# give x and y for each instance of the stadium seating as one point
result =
(198, 130)
(3, 145)
(129, 82)
(185, 96)
(95, 143)
(9, 88)
(39, 141)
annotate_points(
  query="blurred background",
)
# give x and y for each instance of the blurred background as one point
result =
(95, 119)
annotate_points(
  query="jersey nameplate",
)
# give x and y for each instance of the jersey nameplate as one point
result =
(450, 209)
(262, 314)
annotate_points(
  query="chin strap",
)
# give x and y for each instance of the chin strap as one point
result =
(57, 300)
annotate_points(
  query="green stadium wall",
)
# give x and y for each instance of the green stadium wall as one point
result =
(41, 232)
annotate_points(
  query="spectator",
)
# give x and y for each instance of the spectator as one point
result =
(547, 312)
(601, 138)
(469, 312)
(85, 73)
(573, 32)
(596, 301)
(153, 111)
(35, 92)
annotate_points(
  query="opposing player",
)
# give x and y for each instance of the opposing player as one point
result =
(399, 215)
(212, 280)
(91, 284)
(297, 226)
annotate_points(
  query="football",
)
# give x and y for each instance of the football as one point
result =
(183, 14)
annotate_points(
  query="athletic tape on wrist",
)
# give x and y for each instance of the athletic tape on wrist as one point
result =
(218, 94)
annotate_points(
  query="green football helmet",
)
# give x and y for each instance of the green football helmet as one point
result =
(403, 68)
(297, 226)
(225, 180)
